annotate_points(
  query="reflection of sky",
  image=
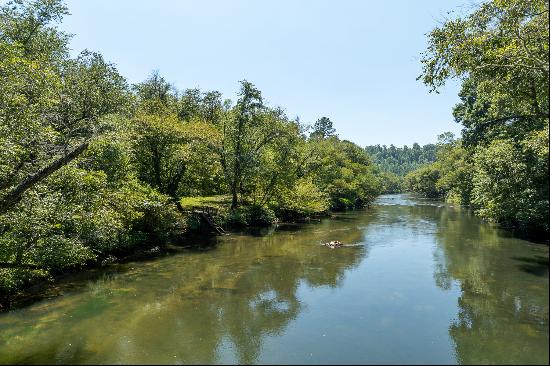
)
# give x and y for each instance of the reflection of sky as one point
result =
(386, 310)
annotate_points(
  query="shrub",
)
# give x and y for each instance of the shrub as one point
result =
(253, 215)
(303, 200)
(511, 183)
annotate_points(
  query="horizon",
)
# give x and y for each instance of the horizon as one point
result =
(359, 93)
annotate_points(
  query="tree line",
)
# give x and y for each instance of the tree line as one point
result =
(401, 160)
(499, 165)
(92, 166)
(393, 163)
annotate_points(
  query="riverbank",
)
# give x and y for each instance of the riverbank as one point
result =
(199, 235)
(537, 236)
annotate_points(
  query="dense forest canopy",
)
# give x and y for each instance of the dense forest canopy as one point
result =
(401, 160)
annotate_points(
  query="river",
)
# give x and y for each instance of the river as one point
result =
(423, 283)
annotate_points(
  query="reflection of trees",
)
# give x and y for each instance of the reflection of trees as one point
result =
(186, 308)
(503, 308)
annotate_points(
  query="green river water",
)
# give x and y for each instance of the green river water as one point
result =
(426, 283)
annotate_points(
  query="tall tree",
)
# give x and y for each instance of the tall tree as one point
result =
(50, 106)
(242, 138)
(323, 129)
(501, 52)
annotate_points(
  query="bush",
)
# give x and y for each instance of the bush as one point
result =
(303, 200)
(77, 217)
(390, 182)
(424, 181)
(511, 183)
(254, 215)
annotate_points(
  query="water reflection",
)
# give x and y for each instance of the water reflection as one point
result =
(187, 308)
(503, 306)
(427, 284)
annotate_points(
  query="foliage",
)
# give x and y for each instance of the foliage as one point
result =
(251, 215)
(424, 180)
(303, 200)
(390, 182)
(90, 167)
(501, 51)
(400, 161)
(454, 162)
(344, 171)
(323, 129)
(500, 165)
(51, 106)
(511, 183)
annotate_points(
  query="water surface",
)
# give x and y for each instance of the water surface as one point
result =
(427, 283)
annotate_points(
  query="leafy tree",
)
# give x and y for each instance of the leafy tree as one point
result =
(155, 88)
(390, 183)
(500, 166)
(344, 171)
(58, 208)
(165, 148)
(455, 164)
(51, 106)
(424, 181)
(501, 51)
(245, 133)
(212, 107)
(190, 105)
(510, 183)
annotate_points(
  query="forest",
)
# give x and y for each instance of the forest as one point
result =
(92, 166)
(499, 164)
(401, 160)
(393, 163)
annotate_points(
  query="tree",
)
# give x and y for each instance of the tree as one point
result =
(400, 161)
(510, 183)
(244, 135)
(424, 181)
(190, 105)
(51, 106)
(501, 52)
(323, 129)
(344, 171)
(165, 148)
(212, 106)
(155, 88)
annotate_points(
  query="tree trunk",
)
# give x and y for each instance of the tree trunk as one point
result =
(13, 197)
(234, 198)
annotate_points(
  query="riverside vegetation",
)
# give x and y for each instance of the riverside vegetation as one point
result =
(499, 166)
(92, 167)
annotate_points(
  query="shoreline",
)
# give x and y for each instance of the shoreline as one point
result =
(197, 239)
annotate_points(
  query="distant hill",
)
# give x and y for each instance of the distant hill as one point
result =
(401, 160)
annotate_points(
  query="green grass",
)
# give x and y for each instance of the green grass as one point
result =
(211, 201)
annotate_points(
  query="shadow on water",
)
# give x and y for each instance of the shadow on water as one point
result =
(231, 299)
(503, 305)
(79, 279)
(184, 307)
(537, 265)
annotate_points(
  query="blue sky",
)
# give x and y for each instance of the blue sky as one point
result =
(355, 62)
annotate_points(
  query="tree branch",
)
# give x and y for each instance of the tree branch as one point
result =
(15, 195)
